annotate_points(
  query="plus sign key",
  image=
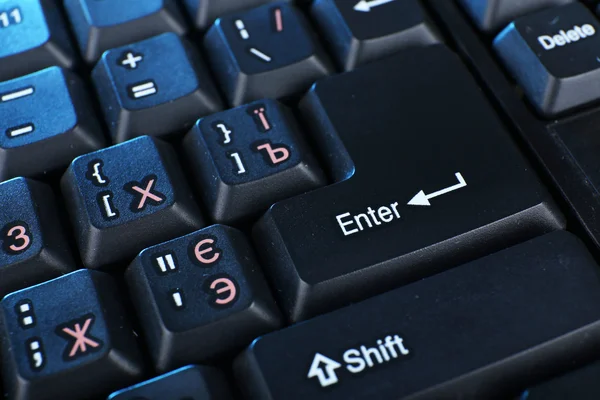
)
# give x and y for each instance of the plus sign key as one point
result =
(141, 95)
(200, 297)
(269, 51)
(63, 329)
(127, 197)
(247, 158)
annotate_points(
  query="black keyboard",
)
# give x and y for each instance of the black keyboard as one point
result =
(309, 199)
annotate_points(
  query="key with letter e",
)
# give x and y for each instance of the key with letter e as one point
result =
(424, 183)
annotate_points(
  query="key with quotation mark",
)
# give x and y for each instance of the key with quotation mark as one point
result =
(83, 331)
(212, 278)
(257, 151)
(122, 192)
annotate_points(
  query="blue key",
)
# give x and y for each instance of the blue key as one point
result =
(193, 382)
(32, 37)
(125, 198)
(141, 95)
(204, 12)
(34, 248)
(266, 52)
(46, 117)
(247, 158)
(200, 297)
(102, 25)
(65, 329)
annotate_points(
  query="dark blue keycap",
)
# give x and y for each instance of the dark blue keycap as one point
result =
(193, 382)
(125, 198)
(34, 248)
(204, 12)
(47, 121)
(141, 95)
(247, 158)
(267, 52)
(65, 329)
(360, 32)
(101, 25)
(32, 37)
(200, 297)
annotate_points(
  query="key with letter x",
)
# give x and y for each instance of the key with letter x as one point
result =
(63, 329)
(117, 196)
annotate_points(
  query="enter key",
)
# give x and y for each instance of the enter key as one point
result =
(427, 178)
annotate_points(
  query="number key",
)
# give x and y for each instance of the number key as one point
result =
(33, 248)
(247, 158)
(200, 297)
(32, 37)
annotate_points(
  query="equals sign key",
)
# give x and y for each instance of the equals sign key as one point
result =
(142, 89)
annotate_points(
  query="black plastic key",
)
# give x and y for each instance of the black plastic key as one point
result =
(32, 37)
(493, 15)
(267, 52)
(581, 384)
(204, 12)
(34, 248)
(101, 25)
(67, 339)
(47, 121)
(140, 94)
(479, 331)
(247, 158)
(125, 198)
(425, 182)
(558, 47)
(363, 31)
(200, 297)
(193, 382)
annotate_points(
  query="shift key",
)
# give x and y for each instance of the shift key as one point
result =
(482, 330)
(427, 177)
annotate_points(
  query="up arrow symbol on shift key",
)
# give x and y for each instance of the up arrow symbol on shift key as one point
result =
(324, 368)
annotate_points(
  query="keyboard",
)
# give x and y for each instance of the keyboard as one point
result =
(302, 199)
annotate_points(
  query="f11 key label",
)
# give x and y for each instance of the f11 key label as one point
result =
(360, 359)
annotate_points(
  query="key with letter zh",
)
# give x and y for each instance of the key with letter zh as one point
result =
(425, 182)
(479, 331)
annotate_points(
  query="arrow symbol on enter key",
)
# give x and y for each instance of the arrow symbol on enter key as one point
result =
(422, 199)
(366, 6)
